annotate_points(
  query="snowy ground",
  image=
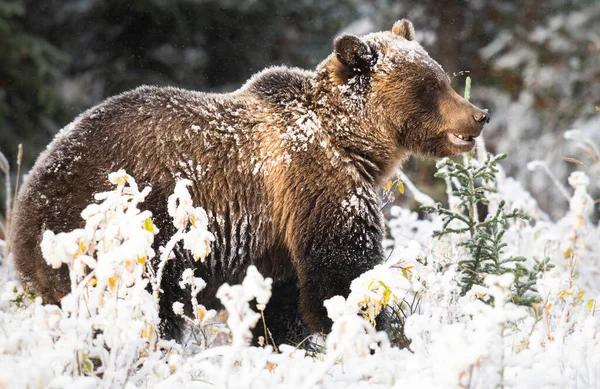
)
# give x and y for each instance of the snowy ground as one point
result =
(105, 334)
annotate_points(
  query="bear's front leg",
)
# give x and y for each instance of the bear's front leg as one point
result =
(339, 249)
(282, 317)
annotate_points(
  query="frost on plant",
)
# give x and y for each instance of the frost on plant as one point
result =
(242, 318)
(106, 327)
(191, 222)
(201, 316)
(370, 293)
(106, 330)
(117, 237)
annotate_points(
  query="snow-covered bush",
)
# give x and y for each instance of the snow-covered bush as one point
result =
(502, 344)
(106, 328)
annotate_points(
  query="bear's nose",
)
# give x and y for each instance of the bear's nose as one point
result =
(481, 117)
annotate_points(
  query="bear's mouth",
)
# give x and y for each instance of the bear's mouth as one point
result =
(461, 140)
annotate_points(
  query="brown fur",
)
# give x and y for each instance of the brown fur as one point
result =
(288, 168)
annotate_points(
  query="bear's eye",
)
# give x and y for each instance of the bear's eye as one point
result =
(432, 87)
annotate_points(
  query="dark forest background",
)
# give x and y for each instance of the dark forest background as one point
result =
(535, 64)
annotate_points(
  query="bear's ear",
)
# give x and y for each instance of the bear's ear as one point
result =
(353, 53)
(405, 29)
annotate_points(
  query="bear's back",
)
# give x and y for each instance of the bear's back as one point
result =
(159, 135)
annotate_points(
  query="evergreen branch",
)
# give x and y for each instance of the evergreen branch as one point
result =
(472, 183)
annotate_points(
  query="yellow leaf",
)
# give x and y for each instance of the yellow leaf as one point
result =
(82, 246)
(271, 366)
(590, 304)
(405, 273)
(149, 332)
(386, 297)
(384, 285)
(401, 187)
(88, 365)
(563, 293)
(388, 186)
(141, 260)
(121, 180)
(148, 225)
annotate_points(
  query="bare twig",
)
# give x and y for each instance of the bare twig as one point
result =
(302, 341)
(19, 159)
(575, 161)
(10, 201)
(261, 308)
(543, 166)
(5, 167)
(589, 153)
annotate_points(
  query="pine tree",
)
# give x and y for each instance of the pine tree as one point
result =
(473, 182)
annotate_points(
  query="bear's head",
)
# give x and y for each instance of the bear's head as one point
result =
(404, 92)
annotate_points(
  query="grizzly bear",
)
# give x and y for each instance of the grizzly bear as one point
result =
(289, 169)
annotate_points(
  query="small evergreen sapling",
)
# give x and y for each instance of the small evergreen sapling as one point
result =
(472, 183)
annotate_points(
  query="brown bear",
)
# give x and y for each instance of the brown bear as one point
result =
(289, 169)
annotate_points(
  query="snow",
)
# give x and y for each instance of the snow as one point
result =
(197, 239)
